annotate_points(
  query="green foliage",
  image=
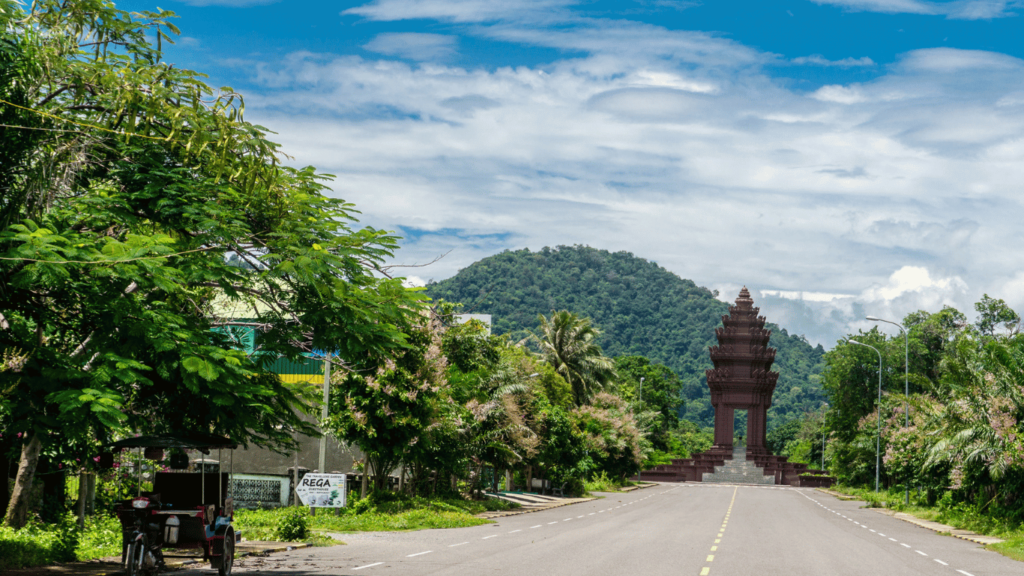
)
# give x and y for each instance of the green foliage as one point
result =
(611, 435)
(568, 343)
(38, 544)
(101, 538)
(293, 525)
(642, 310)
(661, 395)
(115, 232)
(602, 483)
(384, 511)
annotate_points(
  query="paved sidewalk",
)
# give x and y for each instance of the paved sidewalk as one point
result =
(528, 503)
(933, 526)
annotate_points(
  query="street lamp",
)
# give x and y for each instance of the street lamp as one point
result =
(823, 436)
(906, 382)
(878, 438)
(641, 470)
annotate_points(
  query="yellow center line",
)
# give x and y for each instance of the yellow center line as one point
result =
(705, 571)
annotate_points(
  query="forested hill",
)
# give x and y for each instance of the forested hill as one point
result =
(642, 308)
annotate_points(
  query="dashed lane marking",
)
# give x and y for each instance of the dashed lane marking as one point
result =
(537, 526)
(419, 554)
(965, 573)
(704, 571)
(941, 562)
(921, 553)
(459, 544)
(711, 558)
(514, 531)
(904, 545)
(368, 566)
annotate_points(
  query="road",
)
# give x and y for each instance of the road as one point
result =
(673, 529)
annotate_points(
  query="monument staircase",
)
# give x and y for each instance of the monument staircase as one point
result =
(739, 470)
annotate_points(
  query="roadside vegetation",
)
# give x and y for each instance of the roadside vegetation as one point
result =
(960, 451)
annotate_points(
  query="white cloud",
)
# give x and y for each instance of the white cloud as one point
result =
(456, 10)
(232, 3)
(413, 45)
(955, 10)
(819, 60)
(840, 94)
(881, 197)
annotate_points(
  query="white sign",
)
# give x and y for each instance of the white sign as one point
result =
(322, 490)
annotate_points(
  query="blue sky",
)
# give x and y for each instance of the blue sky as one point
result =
(839, 157)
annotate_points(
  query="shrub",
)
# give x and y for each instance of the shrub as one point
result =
(293, 525)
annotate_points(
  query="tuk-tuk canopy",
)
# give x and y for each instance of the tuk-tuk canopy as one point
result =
(194, 440)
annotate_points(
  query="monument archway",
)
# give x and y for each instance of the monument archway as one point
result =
(742, 378)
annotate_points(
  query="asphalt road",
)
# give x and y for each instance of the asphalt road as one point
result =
(672, 529)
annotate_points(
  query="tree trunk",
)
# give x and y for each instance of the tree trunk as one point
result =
(83, 490)
(17, 511)
(90, 496)
(5, 470)
(529, 478)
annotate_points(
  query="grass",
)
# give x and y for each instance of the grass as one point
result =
(38, 544)
(958, 516)
(602, 483)
(381, 512)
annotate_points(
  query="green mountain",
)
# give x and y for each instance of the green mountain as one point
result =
(642, 308)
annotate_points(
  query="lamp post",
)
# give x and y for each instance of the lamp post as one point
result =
(641, 404)
(878, 437)
(906, 382)
(823, 437)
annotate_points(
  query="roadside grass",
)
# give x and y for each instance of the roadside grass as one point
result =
(39, 544)
(1012, 548)
(958, 516)
(602, 483)
(381, 512)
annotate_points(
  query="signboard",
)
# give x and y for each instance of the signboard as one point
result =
(322, 490)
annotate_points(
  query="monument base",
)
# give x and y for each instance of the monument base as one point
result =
(786, 473)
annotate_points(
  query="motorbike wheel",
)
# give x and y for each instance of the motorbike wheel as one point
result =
(134, 558)
(228, 560)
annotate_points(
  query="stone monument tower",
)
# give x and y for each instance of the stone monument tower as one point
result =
(742, 378)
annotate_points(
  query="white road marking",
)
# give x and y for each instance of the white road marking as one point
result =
(882, 535)
(459, 544)
(941, 562)
(555, 522)
(419, 554)
(368, 566)
(904, 545)
(491, 536)
(965, 573)
(537, 526)
(921, 553)
(514, 531)
(873, 530)
(894, 540)
(580, 516)
(591, 514)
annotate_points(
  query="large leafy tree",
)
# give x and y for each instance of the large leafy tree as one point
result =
(120, 211)
(569, 344)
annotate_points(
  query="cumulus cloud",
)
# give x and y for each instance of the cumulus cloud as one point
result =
(880, 197)
(233, 3)
(953, 10)
(413, 45)
(819, 60)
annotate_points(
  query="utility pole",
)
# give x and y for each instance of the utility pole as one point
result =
(323, 413)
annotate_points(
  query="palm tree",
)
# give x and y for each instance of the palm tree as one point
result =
(569, 344)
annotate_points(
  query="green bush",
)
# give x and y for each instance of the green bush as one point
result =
(38, 544)
(293, 526)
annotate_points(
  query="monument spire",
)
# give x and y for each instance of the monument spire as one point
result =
(742, 378)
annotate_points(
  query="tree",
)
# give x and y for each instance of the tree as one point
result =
(119, 219)
(662, 395)
(388, 410)
(568, 344)
(994, 313)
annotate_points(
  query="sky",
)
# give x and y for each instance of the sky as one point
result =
(841, 158)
